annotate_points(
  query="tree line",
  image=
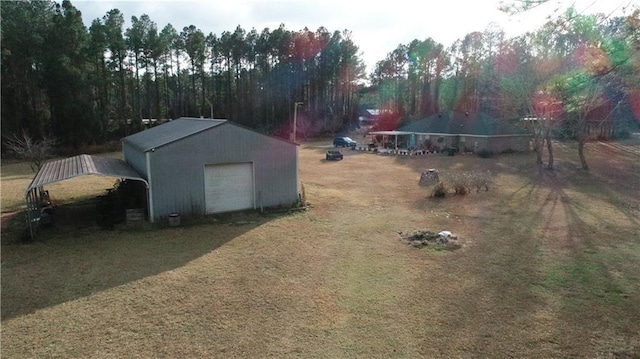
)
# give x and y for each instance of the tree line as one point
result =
(491, 73)
(572, 77)
(88, 85)
(578, 76)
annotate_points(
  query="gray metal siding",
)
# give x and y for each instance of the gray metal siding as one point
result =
(136, 159)
(177, 169)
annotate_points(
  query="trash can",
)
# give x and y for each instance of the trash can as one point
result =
(174, 220)
(451, 151)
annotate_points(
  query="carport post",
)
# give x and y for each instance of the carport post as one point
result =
(32, 206)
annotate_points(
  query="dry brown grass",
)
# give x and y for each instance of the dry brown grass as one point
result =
(550, 268)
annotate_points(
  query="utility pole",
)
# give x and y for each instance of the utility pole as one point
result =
(295, 119)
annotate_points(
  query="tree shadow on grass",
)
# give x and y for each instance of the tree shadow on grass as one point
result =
(69, 262)
(543, 244)
(556, 245)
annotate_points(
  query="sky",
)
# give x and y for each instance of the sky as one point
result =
(377, 27)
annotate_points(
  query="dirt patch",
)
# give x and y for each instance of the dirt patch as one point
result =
(422, 238)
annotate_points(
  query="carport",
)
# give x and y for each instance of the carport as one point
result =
(67, 168)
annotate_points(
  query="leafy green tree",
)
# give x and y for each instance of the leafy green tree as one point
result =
(155, 49)
(593, 61)
(389, 76)
(523, 68)
(168, 37)
(194, 45)
(619, 63)
(581, 96)
(25, 27)
(94, 84)
(135, 40)
(65, 77)
(113, 26)
(426, 64)
(99, 76)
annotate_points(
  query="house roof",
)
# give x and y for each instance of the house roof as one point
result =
(390, 133)
(59, 170)
(170, 131)
(459, 123)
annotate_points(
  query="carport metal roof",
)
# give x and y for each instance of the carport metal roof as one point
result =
(60, 170)
(67, 168)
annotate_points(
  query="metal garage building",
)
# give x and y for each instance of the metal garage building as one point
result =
(200, 166)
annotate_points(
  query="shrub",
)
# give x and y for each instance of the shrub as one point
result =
(460, 182)
(439, 190)
(480, 179)
(463, 182)
(302, 197)
(459, 188)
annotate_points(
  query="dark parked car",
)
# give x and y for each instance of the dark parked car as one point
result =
(334, 155)
(343, 142)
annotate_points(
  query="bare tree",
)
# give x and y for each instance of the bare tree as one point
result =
(548, 109)
(27, 148)
(582, 96)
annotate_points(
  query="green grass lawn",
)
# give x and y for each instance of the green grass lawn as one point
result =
(550, 267)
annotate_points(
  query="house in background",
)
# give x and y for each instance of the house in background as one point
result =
(197, 166)
(461, 131)
(368, 117)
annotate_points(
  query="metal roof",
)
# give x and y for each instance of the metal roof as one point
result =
(391, 133)
(450, 122)
(59, 170)
(404, 133)
(169, 132)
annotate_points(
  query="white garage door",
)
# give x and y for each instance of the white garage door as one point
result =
(228, 187)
